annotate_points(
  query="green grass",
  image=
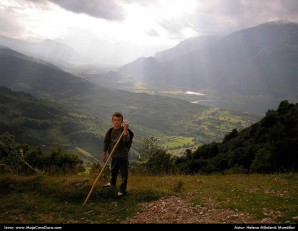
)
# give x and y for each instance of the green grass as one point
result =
(53, 199)
(178, 142)
(83, 152)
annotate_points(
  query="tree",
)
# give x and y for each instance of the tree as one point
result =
(230, 135)
(60, 161)
(159, 162)
(153, 158)
(12, 155)
(36, 158)
(261, 163)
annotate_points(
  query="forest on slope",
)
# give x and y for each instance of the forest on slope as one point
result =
(268, 146)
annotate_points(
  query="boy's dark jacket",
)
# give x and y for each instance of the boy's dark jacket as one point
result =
(108, 139)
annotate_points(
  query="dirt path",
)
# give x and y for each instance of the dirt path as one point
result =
(175, 210)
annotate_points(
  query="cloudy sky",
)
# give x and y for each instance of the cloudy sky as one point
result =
(119, 31)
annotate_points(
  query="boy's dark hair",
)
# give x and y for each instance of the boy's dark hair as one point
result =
(117, 114)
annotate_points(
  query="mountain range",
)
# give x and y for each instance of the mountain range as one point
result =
(249, 70)
(49, 50)
(258, 66)
(25, 73)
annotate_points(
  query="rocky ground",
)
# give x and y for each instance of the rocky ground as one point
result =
(177, 210)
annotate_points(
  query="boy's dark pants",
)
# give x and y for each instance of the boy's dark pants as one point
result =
(119, 163)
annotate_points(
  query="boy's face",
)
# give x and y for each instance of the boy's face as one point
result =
(117, 121)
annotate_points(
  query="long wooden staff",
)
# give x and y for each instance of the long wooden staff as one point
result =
(114, 148)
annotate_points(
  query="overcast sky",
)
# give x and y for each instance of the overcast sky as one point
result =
(119, 31)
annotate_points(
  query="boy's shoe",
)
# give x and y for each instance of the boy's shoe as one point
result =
(108, 185)
(121, 194)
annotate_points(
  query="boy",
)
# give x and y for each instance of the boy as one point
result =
(120, 156)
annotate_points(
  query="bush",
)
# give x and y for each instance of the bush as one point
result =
(5, 169)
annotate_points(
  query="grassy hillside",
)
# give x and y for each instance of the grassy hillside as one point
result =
(44, 124)
(59, 200)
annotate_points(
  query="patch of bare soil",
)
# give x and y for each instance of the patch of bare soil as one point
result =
(176, 210)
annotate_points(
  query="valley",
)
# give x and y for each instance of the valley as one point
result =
(176, 96)
(254, 104)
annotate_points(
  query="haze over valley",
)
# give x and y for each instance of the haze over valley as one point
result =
(249, 70)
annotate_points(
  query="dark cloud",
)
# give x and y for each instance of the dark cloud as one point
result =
(226, 16)
(175, 26)
(106, 9)
(144, 3)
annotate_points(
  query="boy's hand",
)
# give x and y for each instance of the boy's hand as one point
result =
(104, 157)
(125, 125)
